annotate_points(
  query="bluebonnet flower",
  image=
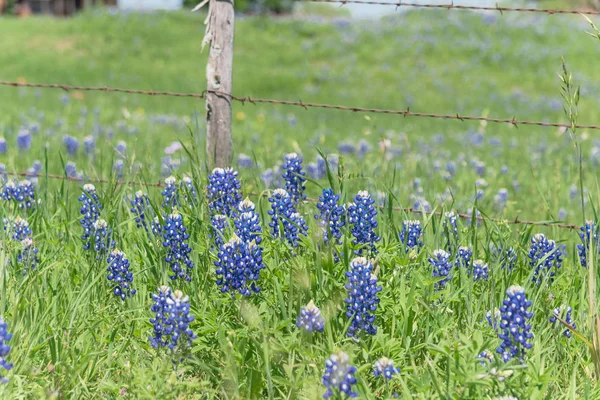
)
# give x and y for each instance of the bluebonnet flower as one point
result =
(71, 170)
(346, 148)
(121, 148)
(4, 348)
(118, 167)
(440, 261)
(339, 376)
(3, 176)
(506, 257)
(9, 190)
(450, 227)
(486, 357)
(562, 214)
(294, 176)
(172, 320)
(331, 216)
(480, 270)
(175, 240)
(421, 204)
(411, 234)
(223, 191)
(119, 274)
(515, 331)
(219, 225)
(247, 223)
(362, 216)
(18, 229)
(28, 256)
(363, 148)
(573, 191)
(35, 169)
(385, 367)
(590, 234)
(504, 170)
(310, 318)
(545, 256)
(244, 161)
(463, 257)
(89, 145)
(567, 318)
(267, 177)
(170, 197)
(71, 144)
(451, 168)
(142, 210)
(283, 212)
(501, 198)
(479, 167)
(238, 266)
(189, 191)
(493, 319)
(22, 193)
(3, 145)
(102, 238)
(90, 212)
(362, 299)
(24, 139)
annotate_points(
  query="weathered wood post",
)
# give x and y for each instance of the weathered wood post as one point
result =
(219, 34)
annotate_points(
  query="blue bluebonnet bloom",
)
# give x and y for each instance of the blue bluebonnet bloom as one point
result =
(562, 214)
(506, 257)
(247, 223)
(3, 176)
(90, 212)
(450, 225)
(385, 367)
(339, 376)
(362, 216)
(283, 212)
(440, 261)
(22, 193)
(172, 320)
(331, 216)
(169, 193)
(89, 145)
(238, 266)
(102, 238)
(121, 148)
(71, 170)
(486, 357)
(189, 191)
(590, 234)
(567, 318)
(28, 256)
(545, 257)
(219, 225)
(310, 318)
(493, 319)
(362, 299)
(118, 167)
(501, 198)
(223, 191)
(142, 210)
(294, 177)
(411, 234)
(480, 270)
(18, 229)
(119, 274)
(71, 144)
(24, 139)
(463, 257)
(3, 145)
(515, 331)
(346, 148)
(4, 348)
(175, 240)
(364, 147)
(244, 161)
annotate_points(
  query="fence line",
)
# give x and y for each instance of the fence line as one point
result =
(453, 6)
(305, 105)
(514, 221)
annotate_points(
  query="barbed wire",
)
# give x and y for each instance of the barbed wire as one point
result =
(453, 6)
(243, 100)
(514, 221)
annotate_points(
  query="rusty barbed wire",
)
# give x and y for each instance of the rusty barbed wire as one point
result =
(452, 6)
(406, 113)
(515, 221)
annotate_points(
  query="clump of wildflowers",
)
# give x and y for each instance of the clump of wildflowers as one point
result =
(119, 274)
(515, 332)
(223, 191)
(339, 376)
(238, 266)
(4, 348)
(294, 176)
(331, 216)
(480, 270)
(172, 320)
(362, 216)
(310, 318)
(18, 228)
(385, 367)
(362, 299)
(440, 261)
(90, 212)
(567, 318)
(545, 256)
(175, 241)
(283, 212)
(23, 193)
(590, 233)
(411, 235)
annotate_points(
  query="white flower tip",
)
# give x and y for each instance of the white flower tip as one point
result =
(170, 180)
(88, 187)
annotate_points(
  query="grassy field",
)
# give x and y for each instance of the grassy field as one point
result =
(74, 339)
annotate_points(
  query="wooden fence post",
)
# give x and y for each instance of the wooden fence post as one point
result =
(219, 33)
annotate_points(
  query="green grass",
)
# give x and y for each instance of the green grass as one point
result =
(73, 339)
